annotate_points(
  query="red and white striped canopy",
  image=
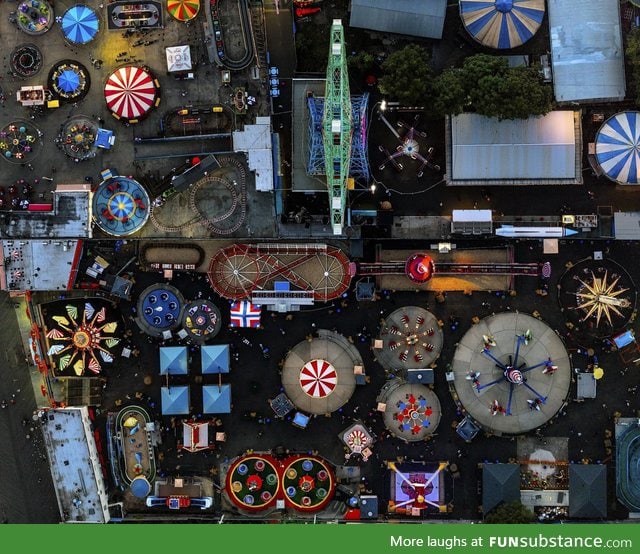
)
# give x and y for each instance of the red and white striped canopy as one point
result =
(130, 92)
(318, 378)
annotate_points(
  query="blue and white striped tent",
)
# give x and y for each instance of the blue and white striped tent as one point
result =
(502, 24)
(617, 145)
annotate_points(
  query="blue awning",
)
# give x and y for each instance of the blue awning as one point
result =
(174, 400)
(216, 399)
(617, 144)
(502, 24)
(173, 360)
(215, 358)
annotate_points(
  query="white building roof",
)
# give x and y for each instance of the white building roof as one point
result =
(586, 50)
(404, 17)
(45, 265)
(539, 150)
(255, 140)
(75, 466)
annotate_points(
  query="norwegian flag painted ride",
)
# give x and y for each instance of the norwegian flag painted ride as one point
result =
(245, 314)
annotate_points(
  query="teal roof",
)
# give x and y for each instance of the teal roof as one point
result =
(216, 399)
(215, 358)
(173, 360)
(175, 400)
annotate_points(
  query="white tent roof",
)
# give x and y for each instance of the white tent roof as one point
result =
(178, 58)
(195, 435)
(586, 50)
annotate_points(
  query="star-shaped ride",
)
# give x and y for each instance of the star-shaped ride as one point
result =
(600, 296)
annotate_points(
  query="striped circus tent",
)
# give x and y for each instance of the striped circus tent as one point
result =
(502, 24)
(617, 144)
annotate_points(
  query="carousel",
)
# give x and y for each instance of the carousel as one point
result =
(318, 374)
(77, 138)
(80, 337)
(511, 373)
(26, 60)
(120, 206)
(411, 338)
(598, 297)
(34, 17)
(20, 141)
(410, 411)
(159, 309)
(69, 80)
(201, 320)
(131, 92)
(308, 483)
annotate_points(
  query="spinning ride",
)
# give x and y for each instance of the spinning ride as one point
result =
(34, 17)
(26, 60)
(120, 206)
(159, 308)
(20, 141)
(69, 80)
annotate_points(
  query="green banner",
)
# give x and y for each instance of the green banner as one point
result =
(321, 538)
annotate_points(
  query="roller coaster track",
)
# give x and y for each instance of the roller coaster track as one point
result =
(244, 10)
(238, 199)
(393, 268)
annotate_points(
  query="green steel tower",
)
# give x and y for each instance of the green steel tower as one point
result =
(337, 127)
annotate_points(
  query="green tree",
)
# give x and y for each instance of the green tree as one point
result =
(450, 96)
(363, 61)
(510, 512)
(517, 93)
(407, 76)
(632, 55)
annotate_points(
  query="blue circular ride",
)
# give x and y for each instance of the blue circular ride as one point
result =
(159, 309)
(120, 206)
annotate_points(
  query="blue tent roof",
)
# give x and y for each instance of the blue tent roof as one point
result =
(68, 81)
(502, 23)
(80, 24)
(215, 358)
(175, 400)
(216, 399)
(173, 360)
(617, 144)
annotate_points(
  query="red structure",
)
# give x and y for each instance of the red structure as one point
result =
(419, 268)
(257, 481)
(238, 270)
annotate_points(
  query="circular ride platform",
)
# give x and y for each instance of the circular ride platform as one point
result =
(598, 297)
(202, 320)
(411, 339)
(412, 412)
(159, 309)
(120, 206)
(26, 60)
(512, 373)
(318, 374)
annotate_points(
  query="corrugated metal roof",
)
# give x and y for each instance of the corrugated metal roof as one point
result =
(404, 17)
(627, 225)
(586, 50)
(538, 148)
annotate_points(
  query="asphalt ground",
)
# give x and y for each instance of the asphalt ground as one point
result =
(255, 379)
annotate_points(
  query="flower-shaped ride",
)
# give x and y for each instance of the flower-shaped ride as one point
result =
(79, 338)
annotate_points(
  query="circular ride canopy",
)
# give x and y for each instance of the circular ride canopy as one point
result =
(413, 411)
(183, 10)
(130, 92)
(80, 24)
(202, 320)
(617, 145)
(318, 375)
(502, 24)
(120, 206)
(159, 309)
(69, 80)
(512, 373)
(411, 339)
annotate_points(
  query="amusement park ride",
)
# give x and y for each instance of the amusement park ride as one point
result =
(419, 491)
(241, 271)
(409, 146)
